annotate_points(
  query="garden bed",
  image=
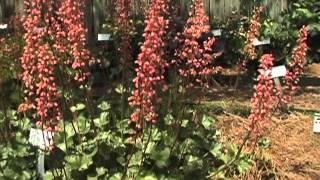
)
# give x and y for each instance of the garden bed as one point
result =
(291, 146)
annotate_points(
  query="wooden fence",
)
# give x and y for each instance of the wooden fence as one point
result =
(100, 10)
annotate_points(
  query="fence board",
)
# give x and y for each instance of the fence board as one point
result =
(207, 6)
(98, 11)
(275, 7)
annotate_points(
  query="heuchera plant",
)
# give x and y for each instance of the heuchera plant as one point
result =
(55, 31)
(298, 62)
(264, 97)
(71, 13)
(151, 65)
(267, 94)
(195, 60)
(38, 64)
(123, 13)
(253, 33)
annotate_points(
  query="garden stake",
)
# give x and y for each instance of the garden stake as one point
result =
(42, 140)
(40, 165)
(277, 72)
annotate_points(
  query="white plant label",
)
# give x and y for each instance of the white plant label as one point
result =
(217, 32)
(278, 71)
(316, 123)
(3, 26)
(257, 42)
(104, 37)
(41, 139)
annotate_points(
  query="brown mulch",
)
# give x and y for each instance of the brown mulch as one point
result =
(294, 150)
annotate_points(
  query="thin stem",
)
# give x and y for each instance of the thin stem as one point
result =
(145, 150)
(88, 104)
(129, 159)
(178, 129)
(237, 157)
(122, 95)
(65, 172)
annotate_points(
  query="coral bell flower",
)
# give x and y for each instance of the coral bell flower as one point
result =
(38, 66)
(150, 65)
(253, 33)
(195, 58)
(263, 98)
(298, 62)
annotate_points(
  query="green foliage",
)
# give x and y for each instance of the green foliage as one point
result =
(284, 32)
(104, 147)
(10, 50)
(17, 158)
(96, 141)
(108, 53)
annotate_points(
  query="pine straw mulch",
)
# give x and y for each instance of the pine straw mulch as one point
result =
(294, 151)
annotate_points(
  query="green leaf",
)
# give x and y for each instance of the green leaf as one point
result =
(156, 135)
(103, 120)
(94, 150)
(121, 160)
(136, 159)
(3, 163)
(194, 162)
(84, 126)
(150, 147)
(225, 158)
(77, 107)
(169, 119)
(244, 166)
(120, 89)
(104, 106)
(116, 176)
(79, 161)
(207, 122)
(184, 123)
(92, 177)
(306, 12)
(149, 176)
(101, 171)
(74, 161)
(10, 173)
(161, 157)
(132, 171)
(296, 5)
(27, 174)
(48, 175)
(104, 136)
(216, 150)
(122, 125)
(314, 26)
(86, 161)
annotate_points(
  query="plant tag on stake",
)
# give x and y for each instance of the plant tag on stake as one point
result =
(316, 123)
(217, 32)
(104, 37)
(278, 71)
(3, 26)
(257, 42)
(41, 139)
